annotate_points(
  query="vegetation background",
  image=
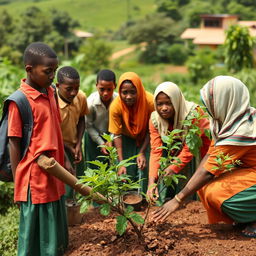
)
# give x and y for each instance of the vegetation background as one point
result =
(149, 30)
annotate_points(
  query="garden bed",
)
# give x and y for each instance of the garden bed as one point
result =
(186, 232)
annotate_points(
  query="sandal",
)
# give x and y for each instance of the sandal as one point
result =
(249, 231)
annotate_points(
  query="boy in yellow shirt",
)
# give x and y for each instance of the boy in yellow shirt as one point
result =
(73, 108)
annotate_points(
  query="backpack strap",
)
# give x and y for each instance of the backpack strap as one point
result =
(26, 116)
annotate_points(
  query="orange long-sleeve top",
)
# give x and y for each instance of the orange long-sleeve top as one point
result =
(227, 183)
(184, 155)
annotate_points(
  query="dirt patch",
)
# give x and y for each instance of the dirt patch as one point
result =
(186, 233)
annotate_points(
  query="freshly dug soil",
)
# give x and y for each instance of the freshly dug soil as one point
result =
(185, 233)
(132, 199)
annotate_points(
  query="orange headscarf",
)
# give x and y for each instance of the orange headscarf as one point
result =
(136, 118)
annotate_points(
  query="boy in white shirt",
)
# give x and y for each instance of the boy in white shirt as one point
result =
(98, 117)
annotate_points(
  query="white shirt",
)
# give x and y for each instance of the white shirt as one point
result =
(98, 117)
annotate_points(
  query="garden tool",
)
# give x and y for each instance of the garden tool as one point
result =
(51, 166)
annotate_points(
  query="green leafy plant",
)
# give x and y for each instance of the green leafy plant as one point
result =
(225, 162)
(9, 224)
(104, 179)
(238, 48)
(173, 143)
(6, 196)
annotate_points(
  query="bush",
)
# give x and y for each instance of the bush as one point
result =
(201, 65)
(177, 54)
(6, 196)
(9, 232)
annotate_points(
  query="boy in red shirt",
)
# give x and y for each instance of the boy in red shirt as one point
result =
(43, 223)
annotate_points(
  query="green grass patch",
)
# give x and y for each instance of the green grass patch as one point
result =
(93, 15)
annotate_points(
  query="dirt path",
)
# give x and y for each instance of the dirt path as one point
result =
(122, 52)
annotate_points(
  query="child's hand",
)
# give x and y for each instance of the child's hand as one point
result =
(78, 154)
(122, 170)
(163, 212)
(141, 161)
(168, 172)
(152, 192)
(103, 150)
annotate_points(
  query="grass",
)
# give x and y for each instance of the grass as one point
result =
(93, 15)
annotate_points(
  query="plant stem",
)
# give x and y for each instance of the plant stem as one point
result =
(145, 218)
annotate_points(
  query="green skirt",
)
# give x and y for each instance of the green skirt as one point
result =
(43, 228)
(130, 149)
(242, 206)
(91, 149)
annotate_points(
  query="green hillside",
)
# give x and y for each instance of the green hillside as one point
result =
(92, 14)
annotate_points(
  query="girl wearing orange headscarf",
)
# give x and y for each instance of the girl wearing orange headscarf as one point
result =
(129, 114)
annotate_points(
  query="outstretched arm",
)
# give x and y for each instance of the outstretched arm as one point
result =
(197, 181)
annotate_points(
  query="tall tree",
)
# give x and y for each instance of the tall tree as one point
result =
(238, 48)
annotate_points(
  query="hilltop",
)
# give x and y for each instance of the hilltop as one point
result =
(92, 15)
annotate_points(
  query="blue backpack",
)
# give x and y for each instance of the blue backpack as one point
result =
(27, 119)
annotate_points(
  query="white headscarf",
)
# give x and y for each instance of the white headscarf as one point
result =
(181, 107)
(233, 121)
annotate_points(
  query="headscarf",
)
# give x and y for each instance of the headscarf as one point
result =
(136, 118)
(181, 107)
(232, 119)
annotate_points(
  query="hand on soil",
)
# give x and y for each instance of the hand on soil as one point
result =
(163, 212)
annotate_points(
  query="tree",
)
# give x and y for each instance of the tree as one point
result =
(245, 12)
(201, 65)
(96, 54)
(154, 30)
(238, 48)
(6, 26)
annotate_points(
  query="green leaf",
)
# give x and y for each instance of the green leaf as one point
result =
(85, 206)
(105, 209)
(137, 218)
(207, 132)
(121, 224)
(129, 209)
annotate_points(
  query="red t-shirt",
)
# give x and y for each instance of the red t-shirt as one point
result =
(46, 139)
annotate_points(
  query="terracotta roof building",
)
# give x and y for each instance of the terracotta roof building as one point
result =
(212, 29)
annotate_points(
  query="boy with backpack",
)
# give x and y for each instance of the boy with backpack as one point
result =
(73, 108)
(43, 223)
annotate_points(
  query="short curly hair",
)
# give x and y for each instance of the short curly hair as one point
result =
(106, 75)
(67, 72)
(35, 51)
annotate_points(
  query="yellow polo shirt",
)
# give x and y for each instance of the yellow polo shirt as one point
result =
(70, 114)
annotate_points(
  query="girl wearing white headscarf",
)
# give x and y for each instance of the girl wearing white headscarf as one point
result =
(168, 98)
(228, 196)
